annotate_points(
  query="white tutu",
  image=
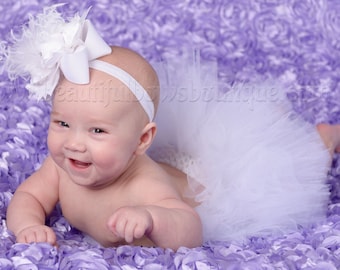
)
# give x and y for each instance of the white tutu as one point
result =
(262, 167)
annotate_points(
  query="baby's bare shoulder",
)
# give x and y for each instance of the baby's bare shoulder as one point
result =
(158, 180)
(43, 185)
(46, 176)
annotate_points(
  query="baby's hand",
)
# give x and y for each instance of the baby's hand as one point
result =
(131, 223)
(38, 233)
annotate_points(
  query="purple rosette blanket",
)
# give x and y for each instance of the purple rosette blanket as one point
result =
(296, 42)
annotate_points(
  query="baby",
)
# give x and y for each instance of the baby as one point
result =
(101, 126)
(98, 169)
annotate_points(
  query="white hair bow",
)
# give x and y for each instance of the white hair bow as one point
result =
(49, 45)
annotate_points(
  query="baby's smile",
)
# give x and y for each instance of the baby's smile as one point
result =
(79, 164)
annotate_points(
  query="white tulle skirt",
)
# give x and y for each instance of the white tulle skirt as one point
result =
(254, 166)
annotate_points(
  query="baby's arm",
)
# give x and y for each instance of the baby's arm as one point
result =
(167, 221)
(175, 224)
(34, 199)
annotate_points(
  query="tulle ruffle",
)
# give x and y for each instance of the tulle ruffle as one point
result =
(262, 167)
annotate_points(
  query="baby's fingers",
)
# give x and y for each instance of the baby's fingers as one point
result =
(118, 227)
(122, 227)
(37, 234)
(130, 223)
(46, 235)
(129, 230)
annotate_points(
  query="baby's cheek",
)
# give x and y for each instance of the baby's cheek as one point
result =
(51, 141)
(54, 144)
(109, 160)
(105, 161)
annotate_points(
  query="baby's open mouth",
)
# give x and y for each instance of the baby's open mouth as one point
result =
(80, 164)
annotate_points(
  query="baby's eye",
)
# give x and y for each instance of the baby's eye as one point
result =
(63, 124)
(98, 130)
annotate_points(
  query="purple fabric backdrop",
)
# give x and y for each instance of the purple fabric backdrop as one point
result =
(297, 42)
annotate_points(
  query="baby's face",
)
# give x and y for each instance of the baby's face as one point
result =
(94, 131)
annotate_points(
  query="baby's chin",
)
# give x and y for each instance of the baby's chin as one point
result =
(91, 183)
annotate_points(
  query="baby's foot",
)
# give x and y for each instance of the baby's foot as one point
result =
(336, 137)
(330, 135)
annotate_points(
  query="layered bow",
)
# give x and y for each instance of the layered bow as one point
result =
(49, 45)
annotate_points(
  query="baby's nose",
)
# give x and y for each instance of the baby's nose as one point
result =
(75, 143)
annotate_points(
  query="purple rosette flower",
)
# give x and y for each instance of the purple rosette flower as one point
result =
(153, 258)
(144, 7)
(331, 27)
(235, 15)
(272, 3)
(125, 255)
(171, 28)
(5, 198)
(7, 20)
(139, 257)
(110, 21)
(194, 259)
(236, 40)
(306, 13)
(6, 264)
(3, 170)
(272, 29)
(33, 256)
(309, 40)
(83, 259)
(137, 34)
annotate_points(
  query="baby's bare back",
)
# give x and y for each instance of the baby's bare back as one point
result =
(90, 209)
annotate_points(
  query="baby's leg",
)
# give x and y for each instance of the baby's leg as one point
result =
(330, 135)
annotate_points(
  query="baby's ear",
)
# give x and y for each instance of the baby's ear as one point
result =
(146, 139)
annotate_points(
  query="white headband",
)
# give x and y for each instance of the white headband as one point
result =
(135, 87)
(49, 46)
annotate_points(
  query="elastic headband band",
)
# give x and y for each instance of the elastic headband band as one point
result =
(135, 87)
